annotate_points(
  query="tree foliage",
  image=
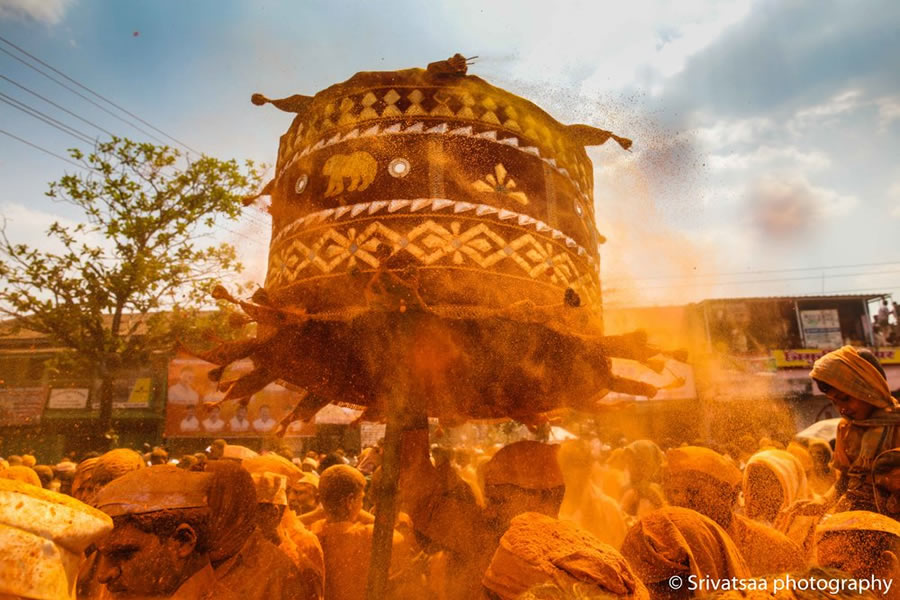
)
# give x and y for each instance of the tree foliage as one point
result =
(113, 287)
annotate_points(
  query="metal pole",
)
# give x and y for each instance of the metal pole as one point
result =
(800, 324)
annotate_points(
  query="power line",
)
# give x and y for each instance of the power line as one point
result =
(79, 135)
(760, 272)
(82, 96)
(42, 149)
(62, 108)
(105, 99)
(752, 281)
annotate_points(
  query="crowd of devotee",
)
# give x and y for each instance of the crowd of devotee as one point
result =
(585, 518)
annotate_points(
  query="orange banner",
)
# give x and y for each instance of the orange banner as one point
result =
(189, 387)
(805, 357)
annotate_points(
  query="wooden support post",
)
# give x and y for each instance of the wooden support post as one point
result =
(386, 503)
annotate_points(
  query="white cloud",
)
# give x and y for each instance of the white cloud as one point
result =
(894, 194)
(789, 205)
(770, 156)
(888, 110)
(843, 102)
(29, 226)
(620, 44)
(724, 133)
(49, 12)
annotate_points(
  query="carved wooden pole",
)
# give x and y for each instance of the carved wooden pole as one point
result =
(386, 500)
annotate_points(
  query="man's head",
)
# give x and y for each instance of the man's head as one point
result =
(161, 535)
(264, 412)
(271, 497)
(186, 376)
(303, 495)
(214, 413)
(703, 480)
(522, 477)
(159, 456)
(341, 490)
(190, 411)
(241, 413)
(152, 554)
(861, 543)
(217, 449)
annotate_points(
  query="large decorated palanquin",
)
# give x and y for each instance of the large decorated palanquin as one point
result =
(431, 225)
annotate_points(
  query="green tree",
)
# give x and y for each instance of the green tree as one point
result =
(118, 286)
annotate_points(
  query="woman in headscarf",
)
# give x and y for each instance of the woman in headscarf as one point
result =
(703, 480)
(773, 480)
(674, 541)
(643, 460)
(855, 383)
(585, 504)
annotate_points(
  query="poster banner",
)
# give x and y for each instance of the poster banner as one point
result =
(21, 406)
(370, 433)
(805, 357)
(676, 382)
(821, 328)
(189, 387)
(68, 398)
(132, 393)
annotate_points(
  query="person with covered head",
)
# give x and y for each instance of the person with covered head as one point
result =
(774, 480)
(538, 550)
(274, 497)
(160, 544)
(863, 544)
(643, 461)
(96, 474)
(886, 483)
(855, 383)
(21, 473)
(43, 536)
(585, 503)
(521, 477)
(239, 552)
(674, 541)
(705, 481)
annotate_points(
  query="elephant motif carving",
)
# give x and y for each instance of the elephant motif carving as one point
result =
(358, 167)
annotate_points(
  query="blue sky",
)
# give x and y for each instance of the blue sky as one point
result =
(767, 134)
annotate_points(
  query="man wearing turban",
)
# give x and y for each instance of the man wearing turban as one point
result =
(675, 541)
(519, 478)
(863, 544)
(160, 544)
(43, 536)
(538, 550)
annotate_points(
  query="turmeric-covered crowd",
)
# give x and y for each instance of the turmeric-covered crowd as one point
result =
(526, 521)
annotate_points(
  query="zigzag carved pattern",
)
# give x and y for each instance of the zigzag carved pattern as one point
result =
(339, 249)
